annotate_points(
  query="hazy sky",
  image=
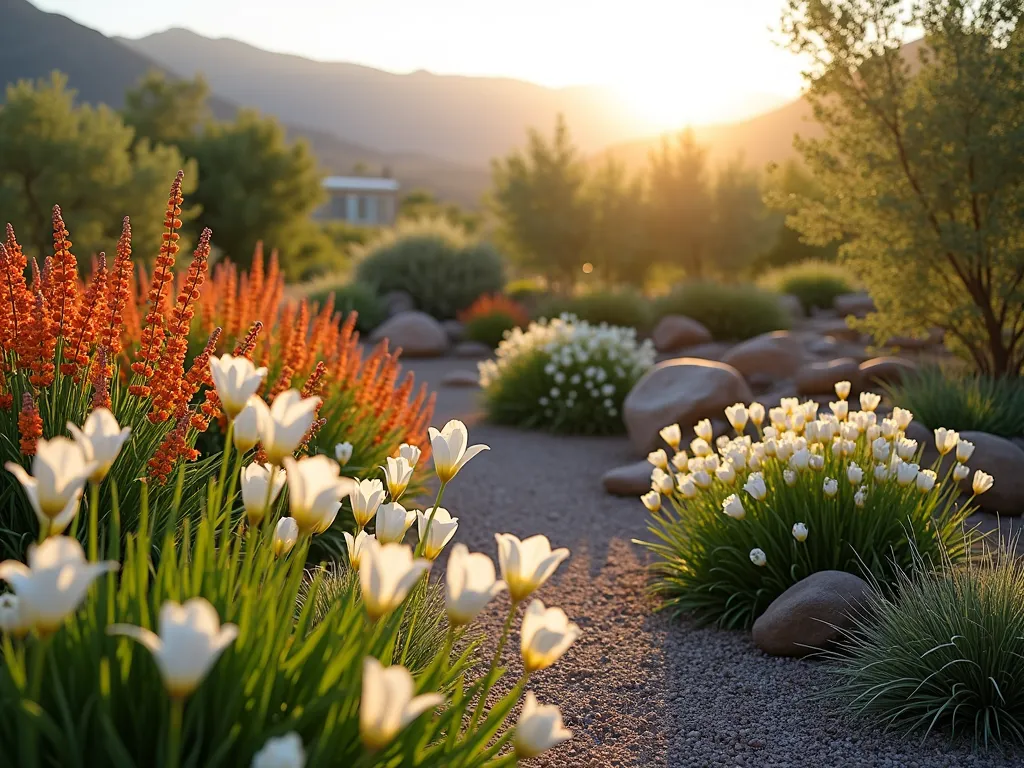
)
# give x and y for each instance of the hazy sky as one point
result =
(674, 60)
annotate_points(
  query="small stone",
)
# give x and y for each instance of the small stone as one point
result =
(417, 333)
(859, 305)
(630, 480)
(675, 332)
(472, 349)
(454, 329)
(821, 378)
(461, 378)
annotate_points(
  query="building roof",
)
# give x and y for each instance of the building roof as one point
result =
(361, 183)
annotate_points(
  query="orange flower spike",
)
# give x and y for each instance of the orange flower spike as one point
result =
(8, 309)
(15, 291)
(44, 344)
(30, 425)
(315, 383)
(119, 294)
(91, 309)
(247, 344)
(6, 398)
(228, 301)
(167, 452)
(65, 279)
(99, 377)
(198, 375)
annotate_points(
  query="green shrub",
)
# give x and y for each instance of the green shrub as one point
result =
(727, 509)
(435, 263)
(564, 375)
(349, 297)
(730, 312)
(944, 652)
(625, 309)
(489, 328)
(963, 401)
(816, 283)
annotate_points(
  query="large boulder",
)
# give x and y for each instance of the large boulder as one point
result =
(630, 480)
(682, 391)
(675, 332)
(857, 304)
(455, 330)
(810, 614)
(821, 378)
(417, 333)
(885, 370)
(776, 355)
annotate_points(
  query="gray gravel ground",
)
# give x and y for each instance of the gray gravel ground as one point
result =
(638, 689)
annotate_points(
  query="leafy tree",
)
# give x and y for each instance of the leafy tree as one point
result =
(166, 111)
(788, 187)
(423, 204)
(80, 157)
(254, 186)
(538, 196)
(739, 222)
(920, 164)
(619, 246)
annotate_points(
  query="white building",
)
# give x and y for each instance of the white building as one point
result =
(370, 201)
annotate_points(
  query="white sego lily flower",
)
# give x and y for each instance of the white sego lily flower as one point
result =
(800, 531)
(982, 482)
(442, 529)
(388, 704)
(527, 564)
(410, 453)
(286, 534)
(190, 641)
(12, 620)
(386, 574)
(672, 435)
(450, 450)
(758, 557)
(281, 752)
(652, 500)
(366, 498)
(397, 473)
(236, 379)
(539, 728)
(54, 583)
(393, 520)
(355, 545)
(100, 439)
(343, 453)
(315, 491)
(470, 584)
(284, 423)
(545, 635)
(254, 479)
(247, 425)
(59, 473)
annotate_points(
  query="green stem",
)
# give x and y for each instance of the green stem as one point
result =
(35, 688)
(224, 462)
(174, 732)
(489, 680)
(94, 517)
(415, 616)
(430, 521)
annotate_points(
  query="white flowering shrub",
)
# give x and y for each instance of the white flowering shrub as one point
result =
(565, 375)
(794, 492)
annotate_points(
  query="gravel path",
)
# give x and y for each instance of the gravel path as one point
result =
(638, 689)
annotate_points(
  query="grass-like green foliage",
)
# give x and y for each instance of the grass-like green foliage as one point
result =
(350, 296)
(564, 375)
(963, 401)
(816, 283)
(730, 312)
(703, 563)
(943, 652)
(627, 309)
(436, 263)
(489, 328)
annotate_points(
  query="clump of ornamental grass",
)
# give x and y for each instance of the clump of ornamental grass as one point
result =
(736, 525)
(488, 319)
(730, 312)
(564, 375)
(814, 282)
(227, 652)
(942, 651)
(628, 309)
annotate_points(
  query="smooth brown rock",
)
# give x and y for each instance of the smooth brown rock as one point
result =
(680, 391)
(859, 305)
(417, 333)
(472, 349)
(885, 370)
(461, 378)
(821, 378)
(775, 354)
(791, 304)
(675, 332)
(629, 480)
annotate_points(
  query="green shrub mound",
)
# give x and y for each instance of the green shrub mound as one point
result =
(730, 312)
(490, 328)
(944, 652)
(816, 283)
(963, 401)
(435, 263)
(351, 297)
(626, 309)
(565, 376)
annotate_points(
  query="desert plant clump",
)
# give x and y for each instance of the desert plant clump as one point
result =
(944, 652)
(815, 283)
(441, 268)
(736, 525)
(348, 296)
(627, 309)
(729, 312)
(564, 375)
(488, 319)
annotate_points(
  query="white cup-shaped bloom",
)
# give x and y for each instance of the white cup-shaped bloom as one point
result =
(680, 461)
(925, 480)
(281, 752)
(410, 453)
(737, 415)
(449, 446)
(59, 473)
(881, 472)
(393, 520)
(285, 422)
(247, 426)
(704, 430)
(658, 458)
(789, 477)
(545, 635)
(526, 564)
(889, 429)
(755, 486)
(661, 481)
(906, 473)
(686, 486)
(355, 545)
(343, 453)
(869, 401)
(315, 491)
(100, 439)
(441, 531)
(254, 479)
(854, 473)
(982, 482)
(386, 574)
(12, 618)
(366, 498)
(726, 473)
(902, 417)
(842, 389)
(830, 487)
(190, 641)
(236, 379)
(672, 435)
(388, 704)
(652, 500)
(470, 584)
(54, 582)
(816, 461)
(758, 557)
(701, 478)
(800, 531)
(880, 449)
(756, 413)
(397, 474)
(800, 459)
(700, 447)
(286, 534)
(860, 496)
(961, 472)
(964, 450)
(733, 507)
(841, 409)
(946, 440)
(906, 448)
(539, 728)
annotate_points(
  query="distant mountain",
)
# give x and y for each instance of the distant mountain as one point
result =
(464, 119)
